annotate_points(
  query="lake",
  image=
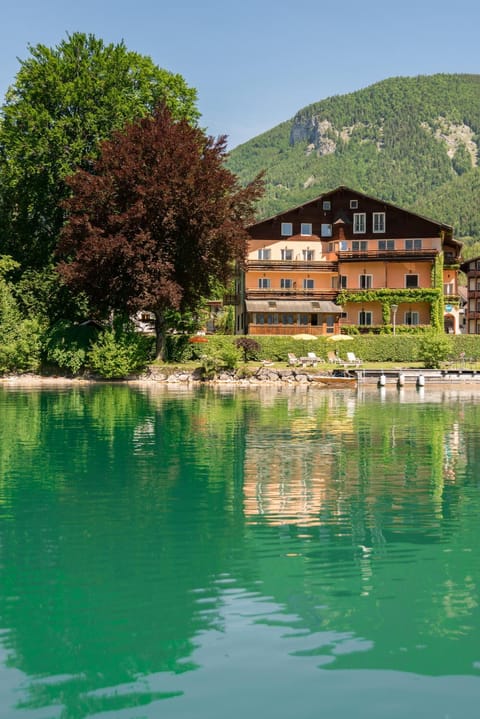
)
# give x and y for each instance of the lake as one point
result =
(217, 553)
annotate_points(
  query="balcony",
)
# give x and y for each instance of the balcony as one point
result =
(293, 294)
(379, 255)
(294, 265)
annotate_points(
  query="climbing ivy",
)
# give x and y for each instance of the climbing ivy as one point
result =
(389, 297)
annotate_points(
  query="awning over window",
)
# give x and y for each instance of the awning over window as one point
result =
(302, 306)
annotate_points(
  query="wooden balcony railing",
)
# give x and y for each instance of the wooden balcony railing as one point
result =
(351, 255)
(293, 294)
(293, 265)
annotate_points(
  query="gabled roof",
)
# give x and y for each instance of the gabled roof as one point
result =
(344, 188)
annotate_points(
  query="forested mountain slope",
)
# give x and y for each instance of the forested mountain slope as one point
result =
(412, 141)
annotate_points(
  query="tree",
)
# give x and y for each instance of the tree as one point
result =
(157, 222)
(64, 102)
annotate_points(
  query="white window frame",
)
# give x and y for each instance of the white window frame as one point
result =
(360, 248)
(359, 223)
(326, 230)
(264, 254)
(264, 283)
(286, 229)
(353, 204)
(326, 205)
(388, 245)
(303, 227)
(308, 255)
(414, 318)
(308, 283)
(342, 282)
(286, 253)
(378, 222)
(411, 287)
(413, 244)
(367, 315)
(365, 284)
(286, 283)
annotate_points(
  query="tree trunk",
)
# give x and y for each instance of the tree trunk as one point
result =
(159, 335)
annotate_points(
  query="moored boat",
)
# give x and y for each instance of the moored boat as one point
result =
(337, 378)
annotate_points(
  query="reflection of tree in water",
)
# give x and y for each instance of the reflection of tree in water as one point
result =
(121, 508)
(102, 511)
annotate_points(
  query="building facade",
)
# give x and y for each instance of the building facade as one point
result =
(472, 308)
(347, 259)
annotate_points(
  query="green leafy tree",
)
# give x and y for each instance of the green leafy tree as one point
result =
(64, 102)
(19, 338)
(158, 222)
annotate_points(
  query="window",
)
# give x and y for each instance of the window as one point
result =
(264, 254)
(448, 288)
(411, 318)
(287, 254)
(359, 224)
(365, 282)
(386, 244)
(353, 204)
(263, 283)
(306, 228)
(378, 222)
(259, 318)
(364, 318)
(477, 265)
(287, 229)
(411, 281)
(326, 230)
(308, 254)
(272, 318)
(413, 244)
(287, 319)
(343, 246)
(286, 284)
(303, 319)
(343, 282)
(308, 284)
(327, 205)
(359, 245)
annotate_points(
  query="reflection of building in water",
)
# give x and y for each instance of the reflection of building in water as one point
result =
(332, 461)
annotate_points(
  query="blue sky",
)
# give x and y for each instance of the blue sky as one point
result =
(255, 63)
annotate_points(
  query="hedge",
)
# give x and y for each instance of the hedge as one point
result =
(370, 348)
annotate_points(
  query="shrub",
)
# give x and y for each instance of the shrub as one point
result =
(249, 346)
(120, 351)
(434, 348)
(67, 345)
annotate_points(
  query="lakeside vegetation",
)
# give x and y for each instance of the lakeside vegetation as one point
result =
(106, 187)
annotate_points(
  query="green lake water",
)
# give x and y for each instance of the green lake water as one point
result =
(216, 554)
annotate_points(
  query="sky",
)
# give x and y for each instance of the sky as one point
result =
(255, 63)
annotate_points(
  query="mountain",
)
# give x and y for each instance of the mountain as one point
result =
(413, 141)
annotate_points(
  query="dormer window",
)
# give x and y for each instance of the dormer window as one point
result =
(306, 228)
(287, 229)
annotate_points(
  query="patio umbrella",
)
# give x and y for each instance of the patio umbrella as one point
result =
(304, 337)
(339, 338)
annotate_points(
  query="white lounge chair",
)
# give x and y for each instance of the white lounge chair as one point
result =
(352, 359)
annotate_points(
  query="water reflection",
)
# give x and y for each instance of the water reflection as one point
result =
(156, 547)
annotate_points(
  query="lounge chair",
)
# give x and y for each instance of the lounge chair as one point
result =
(293, 360)
(311, 359)
(352, 359)
(333, 358)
